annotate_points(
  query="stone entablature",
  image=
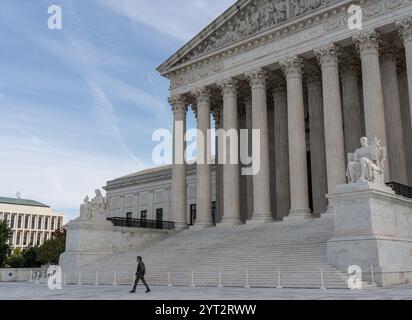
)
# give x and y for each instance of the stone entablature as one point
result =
(268, 47)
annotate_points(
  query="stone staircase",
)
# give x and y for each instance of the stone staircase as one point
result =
(283, 254)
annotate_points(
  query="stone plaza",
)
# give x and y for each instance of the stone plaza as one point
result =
(25, 291)
(333, 108)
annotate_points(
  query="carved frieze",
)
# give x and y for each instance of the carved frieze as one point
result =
(255, 17)
(249, 21)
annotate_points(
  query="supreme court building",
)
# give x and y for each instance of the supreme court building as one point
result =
(313, 86)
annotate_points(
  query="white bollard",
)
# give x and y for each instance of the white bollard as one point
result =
(31, 276)
(220, 279)
(80, 279)
(247, 279)
(322, 280)
(169, 280)
(279, 284)
(114, 278)
(193, 280)
(64, 278)
(97, 279)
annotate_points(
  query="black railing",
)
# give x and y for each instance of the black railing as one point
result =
(401, 189)
(139, 223)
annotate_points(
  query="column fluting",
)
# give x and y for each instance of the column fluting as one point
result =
(178, 210)
(203, 174)
(231, 189)
(261, 180)
(332, 112)
(298, 170)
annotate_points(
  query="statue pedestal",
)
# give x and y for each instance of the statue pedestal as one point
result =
(87, 241)
(373, 227)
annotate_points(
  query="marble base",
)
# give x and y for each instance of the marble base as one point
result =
(261, 217)
(373, 227)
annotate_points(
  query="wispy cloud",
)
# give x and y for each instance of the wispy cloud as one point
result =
(180, 19)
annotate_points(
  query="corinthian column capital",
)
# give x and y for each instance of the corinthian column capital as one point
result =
(328, 55)
(229, 87)
(405, 28)
(202, 94)
(367, 41)
(292, 66)
(177, 103)
(257, 78)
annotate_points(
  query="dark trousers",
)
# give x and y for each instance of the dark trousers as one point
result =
(136, 281)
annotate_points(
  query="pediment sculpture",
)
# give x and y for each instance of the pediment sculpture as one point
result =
(94, 209)
(258, 15)
(367, 163)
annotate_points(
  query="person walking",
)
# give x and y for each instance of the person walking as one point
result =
(140, 273)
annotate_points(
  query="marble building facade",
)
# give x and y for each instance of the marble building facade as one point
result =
(313, 86)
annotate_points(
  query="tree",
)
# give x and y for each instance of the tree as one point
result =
(51, 249)
(5, 234)
(30, 257)
(16, 260)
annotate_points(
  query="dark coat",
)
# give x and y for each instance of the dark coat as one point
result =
(141, 269)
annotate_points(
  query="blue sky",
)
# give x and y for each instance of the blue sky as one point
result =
(78, 106)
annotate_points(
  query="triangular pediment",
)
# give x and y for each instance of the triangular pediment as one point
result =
(243, 20)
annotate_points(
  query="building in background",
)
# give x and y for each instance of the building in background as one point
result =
(31, 222)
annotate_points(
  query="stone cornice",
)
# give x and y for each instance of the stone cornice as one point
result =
(331, 19)
(278, 31)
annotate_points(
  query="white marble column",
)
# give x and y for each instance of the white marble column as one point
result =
(351, 103)
(261, 181)
(178, 210)
(367, 43)
(405, 115)
(280, 103)
(405, 28)
(395, 147)
(231, 189)
(249, 178)
(317, 139)
(203, 174)
(298, 170)
(217, 115)
(332, 112)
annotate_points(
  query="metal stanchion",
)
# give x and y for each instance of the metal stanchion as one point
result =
(220, 279)
(322, 280)
(193, 280)
(247, 279)
(169, 280)
(279, 284)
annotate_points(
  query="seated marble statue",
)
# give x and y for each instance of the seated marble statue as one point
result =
(94, 208)
(366, 163)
